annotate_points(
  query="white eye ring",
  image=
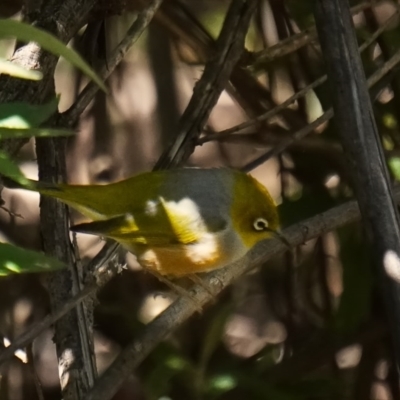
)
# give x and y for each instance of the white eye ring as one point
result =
(260, 224)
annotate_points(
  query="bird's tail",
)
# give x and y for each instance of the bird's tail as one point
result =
(30, 184)
(10, 183)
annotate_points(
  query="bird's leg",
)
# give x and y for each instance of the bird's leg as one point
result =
(176, 288)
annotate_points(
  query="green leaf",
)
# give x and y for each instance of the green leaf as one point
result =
(11, 170)
(15, 260)
(27, 33)
(168, 364)
(24, 115)
(394, 165)
(6, 133)
(221, 383)
(15, 70)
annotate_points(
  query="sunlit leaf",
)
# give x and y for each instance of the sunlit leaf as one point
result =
(24, 115)
(15, 260)
(394, 165)
(6, 133)
(169, 365)
(27, 33)
(389, 121)
(222, 383)
(15, 70)
(11, 170)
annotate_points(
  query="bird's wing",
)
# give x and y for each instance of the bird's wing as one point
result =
(123, 228)
(171, 223)
(186, 221)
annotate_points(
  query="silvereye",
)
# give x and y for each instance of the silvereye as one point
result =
(177, 222)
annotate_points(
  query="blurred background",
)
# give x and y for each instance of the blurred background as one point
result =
(307, 325)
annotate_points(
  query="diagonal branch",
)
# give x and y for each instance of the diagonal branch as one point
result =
(217, 71)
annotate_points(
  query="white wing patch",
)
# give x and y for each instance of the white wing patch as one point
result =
(185, 219)
(198, 246)
(186, 212)
(204, 251)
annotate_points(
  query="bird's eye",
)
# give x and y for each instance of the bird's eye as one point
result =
(260, 224)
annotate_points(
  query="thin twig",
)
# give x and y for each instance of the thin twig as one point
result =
(85, 317)
(32, 332)
(217, 71)
(372, 24)
(103, 275)
(263, 117)
(180, 311)
(70, 117)
(252, 96)
(281, 49)
(301, 133)
(296, 42)
(326, 116)
(271, 113)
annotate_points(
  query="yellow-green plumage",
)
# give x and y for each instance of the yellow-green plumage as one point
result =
(177, 222)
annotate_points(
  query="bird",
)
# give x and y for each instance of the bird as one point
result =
(176, 222)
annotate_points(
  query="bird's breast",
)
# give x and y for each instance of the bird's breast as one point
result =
(213, 251)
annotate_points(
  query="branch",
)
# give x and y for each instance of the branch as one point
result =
(229, 48)
(386, 68)
(103, 275)
(70, 117)
(362, 145)
(276, 110)
(296, 42)
(72, 337)
(247, 91)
